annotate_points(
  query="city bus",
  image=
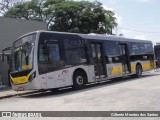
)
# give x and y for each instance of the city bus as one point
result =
(157, 55)
(48, 60)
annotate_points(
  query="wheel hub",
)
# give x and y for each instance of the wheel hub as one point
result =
(79, 80)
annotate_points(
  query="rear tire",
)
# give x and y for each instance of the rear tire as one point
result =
(79, 80)
(138, 71)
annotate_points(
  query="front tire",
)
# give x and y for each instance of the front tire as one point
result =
(79, 80)
(138, 71)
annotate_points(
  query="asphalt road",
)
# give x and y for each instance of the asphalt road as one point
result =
(127, 94)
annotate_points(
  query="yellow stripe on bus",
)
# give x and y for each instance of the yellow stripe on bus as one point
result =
(148, 65)
(145, 66)
(133, 68)
(117, 70)
(20, 80)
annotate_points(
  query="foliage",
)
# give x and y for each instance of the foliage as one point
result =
(66, 15)
(5, 5)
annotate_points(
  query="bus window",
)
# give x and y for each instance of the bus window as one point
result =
(74, 52)
(145, 48)
(149, 48)
(50, 57)
(134, 50)
(112, 52)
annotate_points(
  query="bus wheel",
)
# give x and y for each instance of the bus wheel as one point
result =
(79, 80)
(138, 71)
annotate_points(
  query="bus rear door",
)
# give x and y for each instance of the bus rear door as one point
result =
(125, 58)
(97, 56)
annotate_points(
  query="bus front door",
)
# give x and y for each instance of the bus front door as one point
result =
(125, 58)
(97, 56)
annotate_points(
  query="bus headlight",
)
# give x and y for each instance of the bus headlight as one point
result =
(32, 76)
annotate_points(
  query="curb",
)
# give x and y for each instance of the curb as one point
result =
(18, 94)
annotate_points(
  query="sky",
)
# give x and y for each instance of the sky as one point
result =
(136, 18)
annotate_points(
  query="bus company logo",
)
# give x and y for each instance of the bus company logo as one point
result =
(20, 114)
(6, 114)
(65, 72)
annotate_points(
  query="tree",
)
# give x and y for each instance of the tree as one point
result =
(33, 10)
(89, 17)
(5, 5)
(27, 10)
(66, 15)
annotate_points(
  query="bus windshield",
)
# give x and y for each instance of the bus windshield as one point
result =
(22, 53)
(22, 57)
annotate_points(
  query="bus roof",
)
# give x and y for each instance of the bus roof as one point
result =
(113, 38)
(94, 36)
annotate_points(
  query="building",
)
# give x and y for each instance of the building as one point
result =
(10, 30)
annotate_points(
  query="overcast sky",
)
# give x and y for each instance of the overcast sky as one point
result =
(136, 18)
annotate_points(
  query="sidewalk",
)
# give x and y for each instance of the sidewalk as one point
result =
(6, 92)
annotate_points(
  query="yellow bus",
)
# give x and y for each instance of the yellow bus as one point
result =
(47, 60)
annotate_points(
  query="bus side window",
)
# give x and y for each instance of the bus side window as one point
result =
(134, 49)
(74, 51)
(112, 52)
(43, 53)
(50, 53)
